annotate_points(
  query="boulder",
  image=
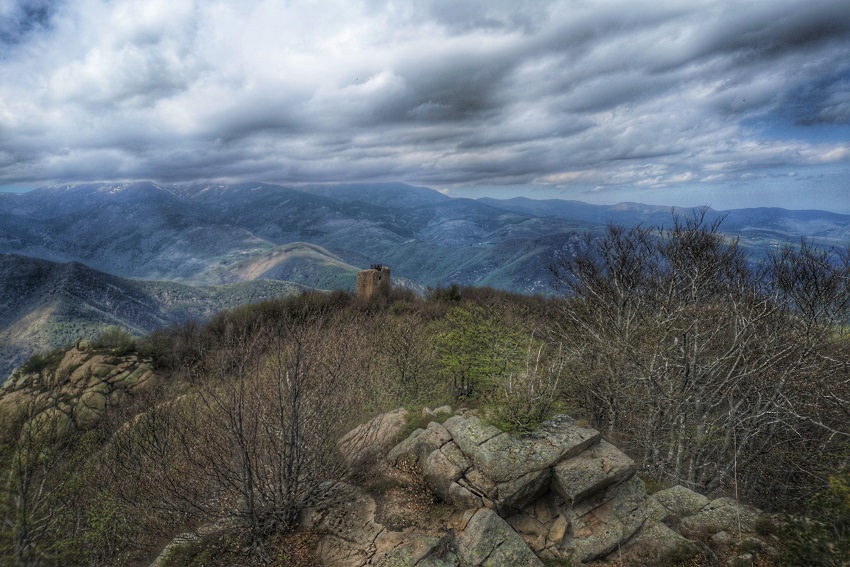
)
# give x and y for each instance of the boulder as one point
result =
(517, 493)
(440, 473)
(413, 450)
(681, 501)
(449, 560)
(657, 544)
(470, 434)
(722, 514)
(597, 468)
(402, 549)
(489, 541)
(90, 409)
(73, 358)
(503, 458)
(607, 521)
(558, 530)
(462, 498)
(373, 438)
(529, 525)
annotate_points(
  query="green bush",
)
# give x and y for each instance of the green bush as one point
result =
(415, 420)
(45, 361)
(822, 538)
(116, 340)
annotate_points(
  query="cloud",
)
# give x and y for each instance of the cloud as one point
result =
(604, 94)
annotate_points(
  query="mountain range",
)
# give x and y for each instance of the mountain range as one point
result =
(45, 305)
(140, 255)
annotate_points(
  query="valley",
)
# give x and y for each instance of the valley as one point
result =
(77, 258)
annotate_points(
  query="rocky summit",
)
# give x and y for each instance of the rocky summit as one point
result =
(562, 495)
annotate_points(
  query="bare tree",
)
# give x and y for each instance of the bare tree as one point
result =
(36, 455)
(252, 442)
(697, 359)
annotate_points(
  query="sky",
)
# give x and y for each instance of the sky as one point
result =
(727, 103)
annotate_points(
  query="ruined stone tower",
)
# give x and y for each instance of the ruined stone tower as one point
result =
(374, 280)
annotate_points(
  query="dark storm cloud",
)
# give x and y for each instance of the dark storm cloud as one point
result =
(607, 94)
(19, 18)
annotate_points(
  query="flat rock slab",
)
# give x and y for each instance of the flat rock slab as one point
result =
(502, 458)
(582, 476)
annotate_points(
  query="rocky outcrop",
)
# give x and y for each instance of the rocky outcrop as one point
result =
(472, 464)
(79, 390)
(489, 541)
(374, 438)
(561, 493)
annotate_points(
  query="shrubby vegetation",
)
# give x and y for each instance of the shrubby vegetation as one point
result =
(716, 373)
(711, 372)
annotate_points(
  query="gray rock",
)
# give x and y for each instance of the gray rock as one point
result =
(558, 529)
(681, 501)
(722, 514)
(657, 544)
(528, 525)
(515, 494)
(398, 549)
(448, 560)
(440, 473)
(743, 560)
(503, 458)
(606, 521)
(595, 469)
(470, 434)
(175, 544)
(414, 449)
(489, 541)
(462, 498)
(456, 456)
(373, 438)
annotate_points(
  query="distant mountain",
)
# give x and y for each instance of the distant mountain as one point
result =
(44, 304)
(306, 264)
(214, 233)
(316, 236)
(382, 194)
(759, 228)
(207, 234)
(133, 230)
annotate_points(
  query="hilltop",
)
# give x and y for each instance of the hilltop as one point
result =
(45, 305)
(274, 433)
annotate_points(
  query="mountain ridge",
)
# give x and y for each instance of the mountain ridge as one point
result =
(45, 305)
(208, 234)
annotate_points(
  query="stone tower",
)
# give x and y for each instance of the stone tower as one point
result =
(374, 280)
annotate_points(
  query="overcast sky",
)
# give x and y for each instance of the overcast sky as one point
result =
(727, 103)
